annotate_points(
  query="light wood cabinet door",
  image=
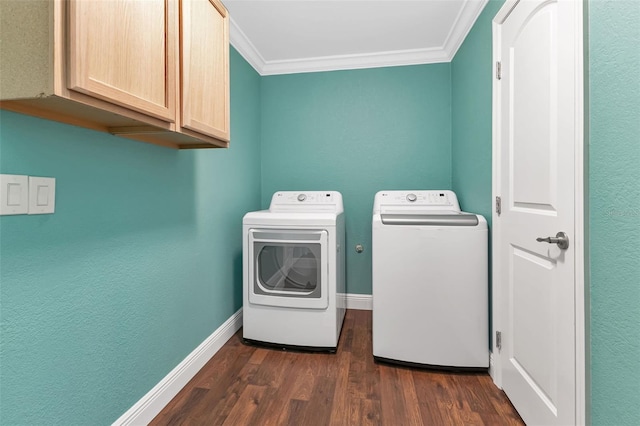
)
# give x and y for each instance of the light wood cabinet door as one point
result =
(155, 71)
(204, 40)
(124, 52)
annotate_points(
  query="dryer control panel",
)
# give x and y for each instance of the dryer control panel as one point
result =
(306, 201)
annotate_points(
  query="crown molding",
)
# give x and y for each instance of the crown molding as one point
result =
(243, 45)
(468, 15)
(463, 24)
(359, 61)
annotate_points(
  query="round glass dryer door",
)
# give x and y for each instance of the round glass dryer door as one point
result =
(289, 268)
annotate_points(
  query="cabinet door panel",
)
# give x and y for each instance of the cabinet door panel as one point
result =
(124, 52)
(205, 68)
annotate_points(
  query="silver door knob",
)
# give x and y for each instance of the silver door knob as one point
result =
(561, 239)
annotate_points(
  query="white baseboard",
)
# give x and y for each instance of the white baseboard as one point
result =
(492, 367)
(148, 407)
(157, 398)
(363, 302)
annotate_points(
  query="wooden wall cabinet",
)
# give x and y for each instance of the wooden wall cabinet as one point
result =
(155, 70)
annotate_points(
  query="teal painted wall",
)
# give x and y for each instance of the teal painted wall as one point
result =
(357, 132)
(471, 130)
(139, 264)
(471, 85)
(614, 183)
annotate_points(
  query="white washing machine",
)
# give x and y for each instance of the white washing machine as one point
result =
(430, 281)
(294, 271)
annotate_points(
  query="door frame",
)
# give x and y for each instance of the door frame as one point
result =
(578, 240)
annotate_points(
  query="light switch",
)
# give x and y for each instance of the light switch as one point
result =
(14, 194)
(42, 195)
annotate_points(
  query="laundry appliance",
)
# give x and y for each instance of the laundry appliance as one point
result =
(429, 281)
(294, 271)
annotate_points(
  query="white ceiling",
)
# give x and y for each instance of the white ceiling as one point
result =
(291, 36)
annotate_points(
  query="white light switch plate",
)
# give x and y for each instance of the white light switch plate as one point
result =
(42, 195)
(14, 194)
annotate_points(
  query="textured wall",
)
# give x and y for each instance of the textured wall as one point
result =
(139, 264)
(471, 130)
(471, 88)
(357, 132)
(614, 181)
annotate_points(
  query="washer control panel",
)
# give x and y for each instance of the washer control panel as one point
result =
(432, 199)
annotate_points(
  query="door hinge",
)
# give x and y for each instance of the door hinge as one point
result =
(498, 205)
(499, 340)
(499, 70)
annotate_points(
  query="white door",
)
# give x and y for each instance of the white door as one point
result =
(535, 140)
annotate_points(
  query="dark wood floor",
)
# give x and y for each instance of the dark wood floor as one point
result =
(246, 385)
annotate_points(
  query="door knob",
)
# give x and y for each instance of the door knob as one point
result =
(561, 239)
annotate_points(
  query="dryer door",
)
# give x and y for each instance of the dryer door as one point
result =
(288, 268)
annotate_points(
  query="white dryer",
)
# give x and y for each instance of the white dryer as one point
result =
(429, 281)
(294, 271)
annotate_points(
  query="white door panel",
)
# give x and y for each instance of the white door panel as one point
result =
(532, 323)
(533, 107)
(535, 177)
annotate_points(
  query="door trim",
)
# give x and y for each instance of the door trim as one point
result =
(495, 369)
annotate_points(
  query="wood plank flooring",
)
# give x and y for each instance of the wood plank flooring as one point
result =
(247, 385)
